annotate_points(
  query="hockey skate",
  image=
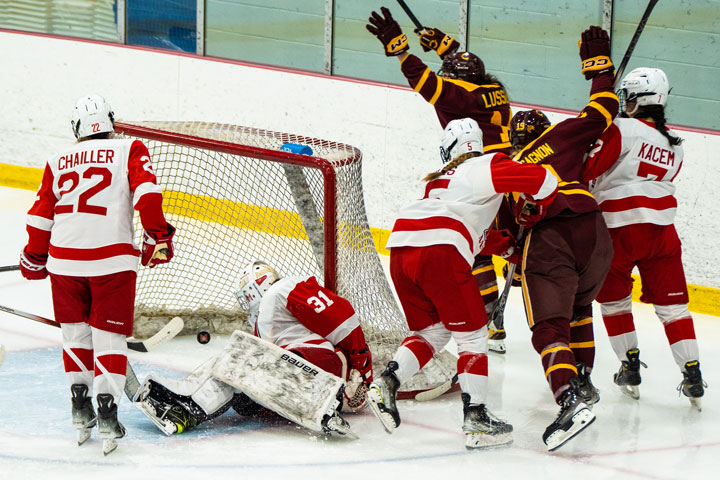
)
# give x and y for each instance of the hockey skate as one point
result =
(573, 418)
(381, 398)
(496, 338)
(333, 422)
(482, 428)
(692, 385)
(167, 410)
(628, 377)
(83, 413)
(584, 386)
(109, 428)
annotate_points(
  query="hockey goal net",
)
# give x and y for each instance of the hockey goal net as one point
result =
(235, 195)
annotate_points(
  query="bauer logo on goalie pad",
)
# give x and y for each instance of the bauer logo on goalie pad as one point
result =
(297, 390)
(299, 364)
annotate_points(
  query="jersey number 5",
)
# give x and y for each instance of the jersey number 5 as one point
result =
(82, 204)
(320, 302)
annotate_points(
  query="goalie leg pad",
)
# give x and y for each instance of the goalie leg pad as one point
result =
(279, 380)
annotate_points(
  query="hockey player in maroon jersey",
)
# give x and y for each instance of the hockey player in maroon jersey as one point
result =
(633, 166)
(80, 231)
(295, 313)
(433, 245)
(462, 89)
(568, 248)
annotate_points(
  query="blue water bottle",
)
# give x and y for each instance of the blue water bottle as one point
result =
(296, 148)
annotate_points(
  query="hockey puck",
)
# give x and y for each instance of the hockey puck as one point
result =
(203, 337)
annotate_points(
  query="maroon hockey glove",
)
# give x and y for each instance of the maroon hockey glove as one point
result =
(595, 52)
(362, 362)
(434, 39)
(388, 31)
(32, 266)
(527, 212)
(157, 249)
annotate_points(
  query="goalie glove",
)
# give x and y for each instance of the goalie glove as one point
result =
(32, 266)
(388, 31)
(434, 39)
(594, 47)
(157, 249)
(361, 360)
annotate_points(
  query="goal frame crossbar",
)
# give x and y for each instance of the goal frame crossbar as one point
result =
(330, 240)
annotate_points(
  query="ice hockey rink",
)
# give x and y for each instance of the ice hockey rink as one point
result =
(658, 437)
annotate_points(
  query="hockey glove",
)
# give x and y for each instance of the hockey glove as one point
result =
(32, 266)
(388, 31)
(157, 249)
(362, 362)
(595, 52)
(501, 243)
(528, 212)
(434, 39)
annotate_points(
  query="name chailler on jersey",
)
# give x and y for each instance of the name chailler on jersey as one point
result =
(85, 206)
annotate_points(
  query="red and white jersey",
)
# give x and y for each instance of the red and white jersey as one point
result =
(459, 206)
(83, 213)
(299, 312)
(631, 171)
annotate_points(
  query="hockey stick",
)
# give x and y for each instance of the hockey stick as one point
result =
(2, 353)
(631, 47)
(497, 317)
(434, 393)
(166, 333)
(132, 384)
(10, 268)
(412, 16)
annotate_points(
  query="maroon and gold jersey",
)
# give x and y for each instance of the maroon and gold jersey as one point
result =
(486, 104)
(564, 146)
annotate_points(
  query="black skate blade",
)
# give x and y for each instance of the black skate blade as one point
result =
(631, 391)
(109, 446)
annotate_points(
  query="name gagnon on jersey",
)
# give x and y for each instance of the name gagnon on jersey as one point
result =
(539, 153)
(297, 363)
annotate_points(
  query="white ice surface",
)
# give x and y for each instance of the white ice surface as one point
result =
(658, 437)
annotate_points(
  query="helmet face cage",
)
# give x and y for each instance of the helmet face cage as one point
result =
(254, 282)
(462, 65)
(526, 126)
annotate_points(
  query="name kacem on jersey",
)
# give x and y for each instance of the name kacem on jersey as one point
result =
(81, 158)
(656, 154)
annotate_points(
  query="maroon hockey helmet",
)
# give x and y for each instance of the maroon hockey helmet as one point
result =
(463, 66)
(526, 126)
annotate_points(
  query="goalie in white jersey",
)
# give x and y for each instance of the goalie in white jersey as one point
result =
(433, 245)
(80, 231)
(301, 325)
(632, 171)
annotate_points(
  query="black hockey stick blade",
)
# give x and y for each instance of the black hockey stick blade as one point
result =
(633, 43)
(497, 316)
(131, 381)
(410, 14)
(10, 268)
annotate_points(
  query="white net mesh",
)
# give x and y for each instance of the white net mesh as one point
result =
(234, 196)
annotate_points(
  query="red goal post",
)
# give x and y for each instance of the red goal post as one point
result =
(235, 196)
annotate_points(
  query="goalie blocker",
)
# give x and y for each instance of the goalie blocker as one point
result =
(281, 381)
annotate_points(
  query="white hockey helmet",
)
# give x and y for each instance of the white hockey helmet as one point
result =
(644, 86)
(92, 115)
(460, 136)
(254, 281)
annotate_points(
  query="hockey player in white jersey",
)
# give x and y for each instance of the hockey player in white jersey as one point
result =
(433, 244)
(80, 232)
(311, 357)
(632, 169)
